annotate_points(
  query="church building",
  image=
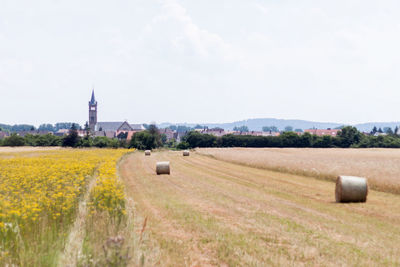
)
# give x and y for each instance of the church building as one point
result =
(111, 128)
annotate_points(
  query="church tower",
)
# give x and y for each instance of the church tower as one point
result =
(92, 112)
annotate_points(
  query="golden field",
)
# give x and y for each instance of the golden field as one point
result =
(39, 194)
(381, 166)
(211, 212)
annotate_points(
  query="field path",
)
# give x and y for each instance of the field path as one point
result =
(214, 213)
(73, 246)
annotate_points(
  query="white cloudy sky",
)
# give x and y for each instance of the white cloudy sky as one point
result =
(200, 61)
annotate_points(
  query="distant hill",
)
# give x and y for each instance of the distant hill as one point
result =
(367, 127)
(257, 124)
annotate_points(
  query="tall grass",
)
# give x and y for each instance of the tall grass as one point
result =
(39, 195)
(109, 225)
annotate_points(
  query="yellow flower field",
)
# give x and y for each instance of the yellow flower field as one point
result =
(39, 194)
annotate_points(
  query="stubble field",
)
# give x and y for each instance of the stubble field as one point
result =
(210, 212)
(380, 166)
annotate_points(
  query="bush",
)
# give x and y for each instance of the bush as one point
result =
(14, 140)
(86, 142)
(183, 145)
(195, 139)
(148, 139)
(72, 139)
(101, 141)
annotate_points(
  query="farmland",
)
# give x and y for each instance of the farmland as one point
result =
(213, 212)
(218, 207)
(380, 166)
(40, 194)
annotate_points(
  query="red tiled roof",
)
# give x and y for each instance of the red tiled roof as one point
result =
(322, 132)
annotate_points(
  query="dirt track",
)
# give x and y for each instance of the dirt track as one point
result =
(210, 212)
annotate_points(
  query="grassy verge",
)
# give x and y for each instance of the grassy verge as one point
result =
(108, 227)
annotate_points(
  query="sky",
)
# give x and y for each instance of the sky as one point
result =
(199, 61)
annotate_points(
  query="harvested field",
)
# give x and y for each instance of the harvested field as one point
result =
(26, 149)
(210, 212)
(380, 166)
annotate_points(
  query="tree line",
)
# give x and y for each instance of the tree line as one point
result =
(147, 139)
(151, 138)
(43, 127)
(347, 137)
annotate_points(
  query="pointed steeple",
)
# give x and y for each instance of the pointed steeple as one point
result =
(92, 112)
(93, 100)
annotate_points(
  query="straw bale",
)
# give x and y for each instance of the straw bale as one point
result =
(351, 189)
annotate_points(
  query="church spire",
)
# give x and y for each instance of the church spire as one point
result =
(93, 100)
(92, 112)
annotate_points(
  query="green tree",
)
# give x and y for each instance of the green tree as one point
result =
(115, 143)
(153, 130)
(72, 138)
(173, 127)
(183, 129)
(65, 125)
(196, 139)
(101, 141)
(87, 129)
(290, 139)
(270, 129)
(147, 139)
(305, 140)
(46, 127)
(348, 136)
(243, 129)
(183, 145)
(288, 129)
(198, 126)
(14, 140)
(86, 142)
(274, 129)
(323, 141)
(164, 139)
(388, 130)
(266, 129)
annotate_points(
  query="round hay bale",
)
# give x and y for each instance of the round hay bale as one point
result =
(351, 189)
(186, 153)
(162, 167)
(147, 152)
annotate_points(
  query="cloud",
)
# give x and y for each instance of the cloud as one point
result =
(264, 10)
(203, 42)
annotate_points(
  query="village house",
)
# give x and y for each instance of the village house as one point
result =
(260, 133)
(34, 132)
(322, 132)
(221, 132)
(214, 131)
(168, 133)
(61, 132)
(3, 134)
